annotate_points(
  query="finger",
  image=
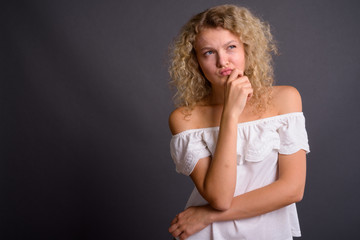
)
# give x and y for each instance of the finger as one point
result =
(244, 93)
(175, 220)
(244, 79)
(247, 90)
(249, 96)
(233, 75)
(236, 73)
(240, 84)
(183, 236)
(173, 227)
(176, 233)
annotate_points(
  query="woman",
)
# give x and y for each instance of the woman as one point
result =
(241, 140)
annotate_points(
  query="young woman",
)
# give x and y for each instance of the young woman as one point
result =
(241, 140)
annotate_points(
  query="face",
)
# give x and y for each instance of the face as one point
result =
(218, 52)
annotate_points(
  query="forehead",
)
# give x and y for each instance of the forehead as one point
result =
(213, 37)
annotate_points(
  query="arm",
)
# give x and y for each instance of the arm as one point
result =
(289, 188)
(215, 178)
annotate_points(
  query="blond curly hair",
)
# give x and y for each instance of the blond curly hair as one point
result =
(191, 84)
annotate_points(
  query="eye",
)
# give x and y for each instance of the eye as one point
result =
(232, 47)
(208, 53)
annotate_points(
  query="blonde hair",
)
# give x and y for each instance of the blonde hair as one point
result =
(191, 84)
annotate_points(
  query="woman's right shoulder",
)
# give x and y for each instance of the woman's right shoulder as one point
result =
(182, 119)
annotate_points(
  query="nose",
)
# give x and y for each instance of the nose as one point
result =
(222, 60)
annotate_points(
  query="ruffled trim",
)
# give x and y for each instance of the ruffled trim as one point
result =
(256, 140)
(187, 149)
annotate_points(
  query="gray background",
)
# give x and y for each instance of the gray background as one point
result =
(85, 102)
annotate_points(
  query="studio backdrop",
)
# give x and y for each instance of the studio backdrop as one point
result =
(85, 102)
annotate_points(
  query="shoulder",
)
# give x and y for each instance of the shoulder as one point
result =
(182, 119)
(177, 120)
(286, 99)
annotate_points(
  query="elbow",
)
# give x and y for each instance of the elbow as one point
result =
(296, 195)
(219, 199)
(220, 204)
(292, 192)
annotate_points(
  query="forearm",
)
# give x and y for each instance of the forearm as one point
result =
(289, 188)
(257, 202)
(220, 180)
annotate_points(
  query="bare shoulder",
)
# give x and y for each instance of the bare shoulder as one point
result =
(286, 99)
(181, 120)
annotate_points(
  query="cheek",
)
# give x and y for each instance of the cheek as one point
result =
(240, 60)
(243, 57)
(207, 72)
(206, 66)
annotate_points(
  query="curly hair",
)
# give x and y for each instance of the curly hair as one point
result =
(186, 75)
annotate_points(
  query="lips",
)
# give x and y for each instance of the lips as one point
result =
(226, 72)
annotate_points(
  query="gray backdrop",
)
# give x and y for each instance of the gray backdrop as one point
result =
(85, 102)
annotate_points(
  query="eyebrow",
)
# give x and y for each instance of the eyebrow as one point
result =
(226, 44)
(229, 42)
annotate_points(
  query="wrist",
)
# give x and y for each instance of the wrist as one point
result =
(229, 116)
(211, 215)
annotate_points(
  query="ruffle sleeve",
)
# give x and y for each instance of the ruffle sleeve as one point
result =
(293, 135)
(186, 149)
(284, 133)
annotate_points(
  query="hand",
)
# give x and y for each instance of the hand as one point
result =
(238, 91)
(190, 221)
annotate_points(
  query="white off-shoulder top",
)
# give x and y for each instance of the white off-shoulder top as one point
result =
(258, 145)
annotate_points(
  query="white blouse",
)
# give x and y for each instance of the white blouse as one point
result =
(258, 145)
